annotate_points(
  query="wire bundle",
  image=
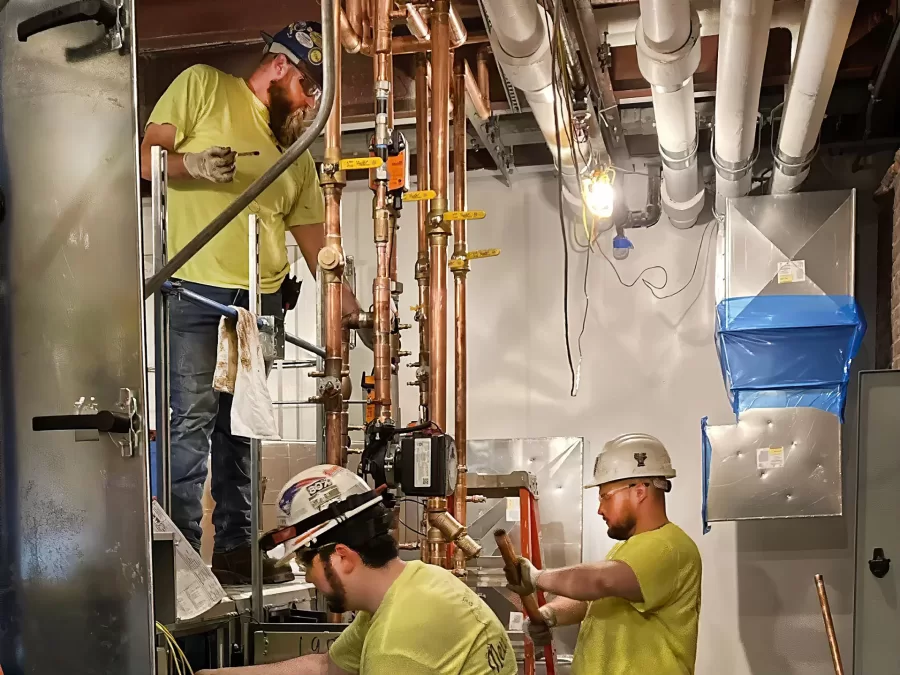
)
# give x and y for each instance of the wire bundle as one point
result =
(177, 654)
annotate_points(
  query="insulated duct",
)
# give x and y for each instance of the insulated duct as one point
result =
(520, 40)
(823, 35)
(668, 52)
(742, 54)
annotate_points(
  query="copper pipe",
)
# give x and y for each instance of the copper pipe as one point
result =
(829, 626)
(438, 229)
(460, 250)
(422, 264)
(484, 74)
(469, 85)
(355, 14)
(381, 286)
(509, 555)
(408, 44)
(416, 23)
(350, 39)
(383, 26)
(331, 261)
(457, 29)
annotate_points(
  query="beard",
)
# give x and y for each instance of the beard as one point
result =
(286, 122)
(337, 599)
(622, 530)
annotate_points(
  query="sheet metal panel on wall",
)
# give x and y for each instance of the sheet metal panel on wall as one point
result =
(787, 330)
(74, 506)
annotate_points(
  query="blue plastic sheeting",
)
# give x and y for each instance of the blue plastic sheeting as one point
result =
(706, 461)
(788, 350)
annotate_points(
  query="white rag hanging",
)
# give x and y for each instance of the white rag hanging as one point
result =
(241, 371)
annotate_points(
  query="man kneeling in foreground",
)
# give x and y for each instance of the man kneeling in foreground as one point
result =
(412, 617)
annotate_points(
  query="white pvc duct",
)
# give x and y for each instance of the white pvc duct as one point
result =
(618, 21)
(744, 31)
(823, 35)
(669, 68)
(521, 43)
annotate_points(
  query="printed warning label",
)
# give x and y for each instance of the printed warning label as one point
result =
(792, 271)
(422, 476)
(769, 458)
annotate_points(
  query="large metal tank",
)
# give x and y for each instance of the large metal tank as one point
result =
(75, 586)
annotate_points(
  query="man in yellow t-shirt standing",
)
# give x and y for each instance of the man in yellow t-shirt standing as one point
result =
(639, 610)
(412, 618)
(222, 133)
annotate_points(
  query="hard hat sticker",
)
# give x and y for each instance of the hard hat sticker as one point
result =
(304, 39)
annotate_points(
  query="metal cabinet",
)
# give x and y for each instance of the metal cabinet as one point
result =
(877, 597)
(75, 574)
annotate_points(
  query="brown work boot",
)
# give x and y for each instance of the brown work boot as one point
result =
(233, 568)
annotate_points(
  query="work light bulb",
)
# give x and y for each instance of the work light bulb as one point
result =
(599, 195)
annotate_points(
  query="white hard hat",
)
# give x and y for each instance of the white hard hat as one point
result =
(315, 501)
(631, 456)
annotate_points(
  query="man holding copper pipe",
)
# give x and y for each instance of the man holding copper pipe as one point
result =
(639, 609)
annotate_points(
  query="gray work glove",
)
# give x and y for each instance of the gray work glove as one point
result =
(528, 576)
(542, 635)
(215, 164)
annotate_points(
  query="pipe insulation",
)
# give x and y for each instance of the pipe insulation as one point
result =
(823, 35)
(617, 22)
(671, 78)
(520, 40)
(743, 38)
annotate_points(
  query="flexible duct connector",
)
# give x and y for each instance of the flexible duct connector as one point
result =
(823, 35)
(521, 44)
(742, 54)
(671, 77)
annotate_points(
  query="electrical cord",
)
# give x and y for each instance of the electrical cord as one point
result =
(177, 654)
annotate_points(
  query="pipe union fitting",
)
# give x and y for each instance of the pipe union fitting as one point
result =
(668, 70)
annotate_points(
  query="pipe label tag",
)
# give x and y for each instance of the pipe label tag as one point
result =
(792, 271)
(419, 196)
(464, 215)
(361, 163)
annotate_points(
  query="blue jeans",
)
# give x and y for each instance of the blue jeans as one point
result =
(201, 421)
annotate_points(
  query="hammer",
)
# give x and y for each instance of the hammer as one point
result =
(511, 569)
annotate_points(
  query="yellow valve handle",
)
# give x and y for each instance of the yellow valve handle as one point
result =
(419, 196)
(464, 215)
(459, 263)
(361, 163)
(483, 253)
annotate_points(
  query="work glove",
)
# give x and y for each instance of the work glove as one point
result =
(541, 635)
(215, 164)
(528, 577)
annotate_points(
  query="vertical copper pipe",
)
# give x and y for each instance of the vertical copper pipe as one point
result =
(460, 273)
(438, 233)
(484, 74)
(331, 260)
(382, 26)
(355, 13)
(381, 286)
(829, 626)
(422, 266)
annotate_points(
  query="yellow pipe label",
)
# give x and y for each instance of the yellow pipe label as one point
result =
(361, 163)
(419, 196)
(464, 215)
